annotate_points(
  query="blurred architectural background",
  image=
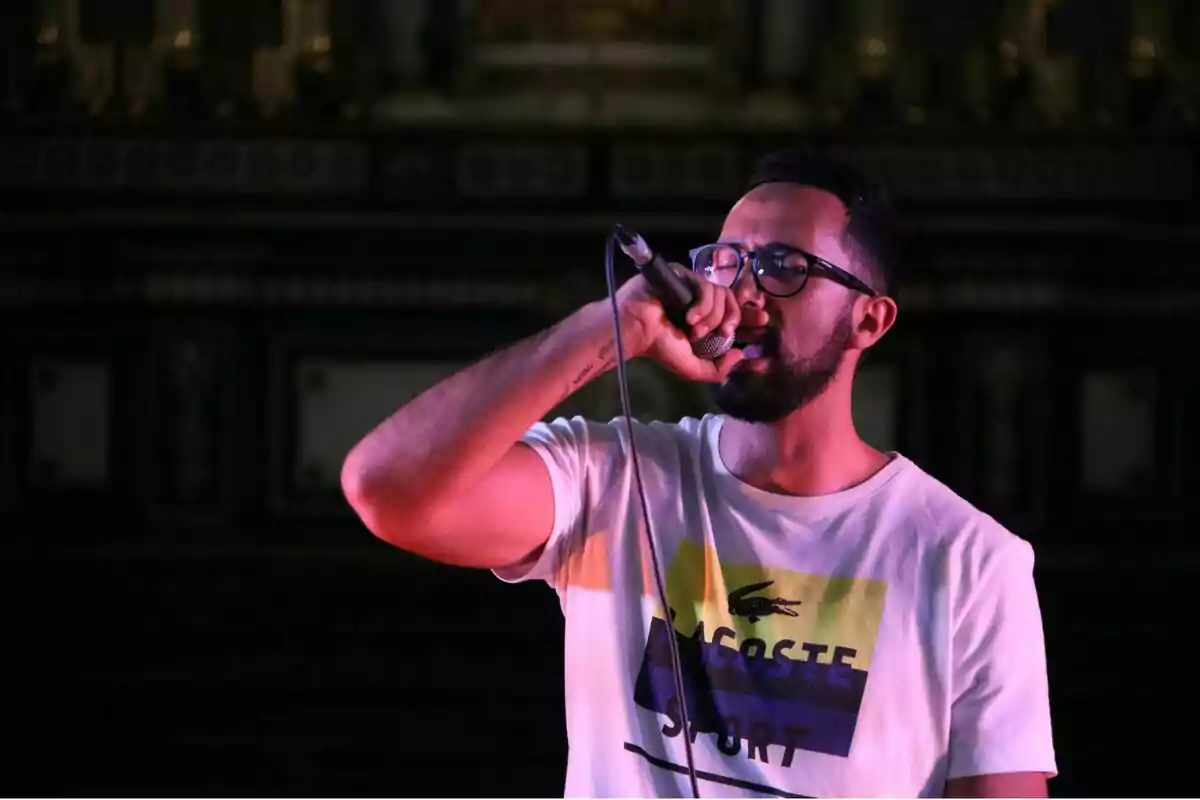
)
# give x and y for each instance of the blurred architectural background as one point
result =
(240, 233)
(812, 65)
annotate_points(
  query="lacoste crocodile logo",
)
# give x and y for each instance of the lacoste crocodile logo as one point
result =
(755, 607)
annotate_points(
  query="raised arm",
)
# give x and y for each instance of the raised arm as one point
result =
(446, 477)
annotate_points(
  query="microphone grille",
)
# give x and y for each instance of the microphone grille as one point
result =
(712, 346)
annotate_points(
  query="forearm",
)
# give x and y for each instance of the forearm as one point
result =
(438, 445)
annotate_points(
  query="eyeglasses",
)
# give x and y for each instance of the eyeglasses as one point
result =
(779, 269)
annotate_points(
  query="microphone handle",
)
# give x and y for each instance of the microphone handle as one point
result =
(671, 290)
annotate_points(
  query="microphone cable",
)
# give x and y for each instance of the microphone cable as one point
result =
(627, 410)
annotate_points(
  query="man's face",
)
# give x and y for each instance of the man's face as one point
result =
(798, 342)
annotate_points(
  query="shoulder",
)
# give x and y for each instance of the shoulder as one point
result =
(603, 451)
(972, 544)
(650, 438)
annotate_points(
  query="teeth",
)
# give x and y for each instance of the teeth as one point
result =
(752, 351)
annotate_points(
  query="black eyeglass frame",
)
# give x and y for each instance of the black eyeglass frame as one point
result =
(816, 265)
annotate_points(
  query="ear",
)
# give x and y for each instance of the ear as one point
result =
(873, 317)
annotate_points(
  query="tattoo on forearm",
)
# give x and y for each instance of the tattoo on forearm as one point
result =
(583, 375)
(603, 360)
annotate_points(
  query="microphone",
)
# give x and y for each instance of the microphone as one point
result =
(675, 294)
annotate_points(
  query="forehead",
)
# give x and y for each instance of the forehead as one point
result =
(808, 218)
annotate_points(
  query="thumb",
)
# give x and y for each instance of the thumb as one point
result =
(728, 361)
(716, 371)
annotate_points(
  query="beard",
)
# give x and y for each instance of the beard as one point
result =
(787, 384)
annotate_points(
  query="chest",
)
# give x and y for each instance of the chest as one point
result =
(826, 601)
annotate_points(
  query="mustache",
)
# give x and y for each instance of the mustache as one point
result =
(766, 338)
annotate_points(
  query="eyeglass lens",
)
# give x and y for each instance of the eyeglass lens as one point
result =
(779, 271)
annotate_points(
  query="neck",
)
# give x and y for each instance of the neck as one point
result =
(813, 451)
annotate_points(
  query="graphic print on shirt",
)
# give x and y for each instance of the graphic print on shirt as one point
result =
(774, 660)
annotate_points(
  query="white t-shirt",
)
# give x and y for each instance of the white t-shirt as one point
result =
(874, 641)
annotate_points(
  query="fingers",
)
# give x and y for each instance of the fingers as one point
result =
(718, 370)
(716, 309)
(703, 308)
(725, 364)
(732, 317)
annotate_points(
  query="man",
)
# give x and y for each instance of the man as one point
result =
(846, 625)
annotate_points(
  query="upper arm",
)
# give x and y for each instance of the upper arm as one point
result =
(505, 518)
(1000, 710)
(1006, 784)
(526, 504)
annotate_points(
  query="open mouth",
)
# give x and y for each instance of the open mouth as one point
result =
(755, 344)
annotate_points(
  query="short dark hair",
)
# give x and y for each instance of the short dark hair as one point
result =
(869, 225)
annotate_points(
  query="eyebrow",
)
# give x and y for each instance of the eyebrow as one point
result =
(742, 243)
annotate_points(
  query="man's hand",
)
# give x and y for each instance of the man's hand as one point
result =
(646, 331)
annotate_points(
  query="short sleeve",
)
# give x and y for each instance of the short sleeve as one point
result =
(1000, 715)
(570, 449)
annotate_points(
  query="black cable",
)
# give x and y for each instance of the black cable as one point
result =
(626, 409)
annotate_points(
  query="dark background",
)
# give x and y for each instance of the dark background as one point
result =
(238, 234)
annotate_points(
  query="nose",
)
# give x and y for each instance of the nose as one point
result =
(745, 289)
